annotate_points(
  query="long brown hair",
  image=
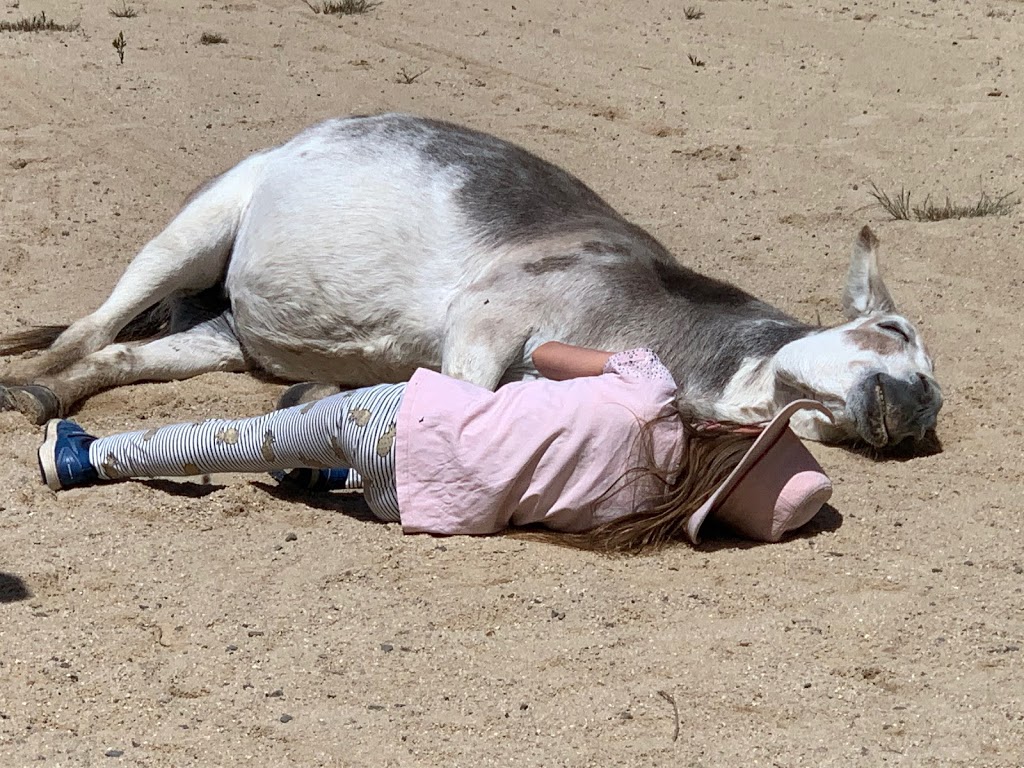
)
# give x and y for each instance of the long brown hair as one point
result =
(711, 452)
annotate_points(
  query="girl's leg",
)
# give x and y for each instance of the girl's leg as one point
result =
(310, 435)
(332, 432)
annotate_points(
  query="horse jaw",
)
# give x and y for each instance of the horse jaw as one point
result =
(750, 397)
(757, 392)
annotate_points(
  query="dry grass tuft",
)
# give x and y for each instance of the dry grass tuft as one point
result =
(342, 7)
(124, 11)
(212, 38)
(38, 23)
(899, 207)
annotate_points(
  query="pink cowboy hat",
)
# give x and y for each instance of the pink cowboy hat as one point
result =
(777, 486)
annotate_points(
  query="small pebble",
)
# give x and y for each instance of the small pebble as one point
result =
(286, 718)
(291, 537)
(387, 647)
(275, 694)
(114, 752)
(232, 648)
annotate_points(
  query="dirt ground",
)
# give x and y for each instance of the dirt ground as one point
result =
(172, 624)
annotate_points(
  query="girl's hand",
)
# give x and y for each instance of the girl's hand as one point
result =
(557, 361)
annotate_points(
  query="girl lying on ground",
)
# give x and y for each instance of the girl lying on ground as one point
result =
(599, 451)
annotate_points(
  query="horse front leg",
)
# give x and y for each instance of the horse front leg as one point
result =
(481, 342)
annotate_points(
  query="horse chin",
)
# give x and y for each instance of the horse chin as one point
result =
(879, 409)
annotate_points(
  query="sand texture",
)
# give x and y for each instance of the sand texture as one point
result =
(181, 625)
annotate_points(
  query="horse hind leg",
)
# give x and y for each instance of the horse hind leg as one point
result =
(206, 347)
(188, 256)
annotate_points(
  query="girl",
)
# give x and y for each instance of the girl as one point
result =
(599, 451)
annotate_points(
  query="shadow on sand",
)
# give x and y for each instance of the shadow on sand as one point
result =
(12, 588)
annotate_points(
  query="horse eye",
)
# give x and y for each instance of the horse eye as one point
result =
(898, 330)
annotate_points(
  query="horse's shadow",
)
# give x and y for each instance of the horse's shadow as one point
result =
(907, 450)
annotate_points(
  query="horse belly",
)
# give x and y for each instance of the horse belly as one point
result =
(328, 324)
(345, 272)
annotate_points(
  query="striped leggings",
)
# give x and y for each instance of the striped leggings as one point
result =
(353, 429)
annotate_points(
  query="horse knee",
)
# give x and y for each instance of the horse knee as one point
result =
(80, 340)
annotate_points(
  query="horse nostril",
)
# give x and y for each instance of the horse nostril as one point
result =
(925, 384)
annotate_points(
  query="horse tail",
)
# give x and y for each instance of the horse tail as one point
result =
(37, 337)
(150, 323)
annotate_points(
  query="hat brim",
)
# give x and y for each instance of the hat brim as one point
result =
(768, 437)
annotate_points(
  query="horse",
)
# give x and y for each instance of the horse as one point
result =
(368, 246)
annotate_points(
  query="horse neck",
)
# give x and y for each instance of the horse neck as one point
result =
(717, 340)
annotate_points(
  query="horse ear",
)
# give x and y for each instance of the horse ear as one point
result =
(865, 291)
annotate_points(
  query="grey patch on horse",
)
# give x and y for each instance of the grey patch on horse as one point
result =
(150, 434)
(267, 448)
(359, 416)
(229, 435)
(552, 264)
(191, 469)
(724, 324)
(601, 248)
(759, 339)
(386, 441)
(873, 341)
(507, 192)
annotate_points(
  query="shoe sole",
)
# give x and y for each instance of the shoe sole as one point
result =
(47, 452)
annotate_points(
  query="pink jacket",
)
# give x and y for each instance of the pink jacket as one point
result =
(473, 461)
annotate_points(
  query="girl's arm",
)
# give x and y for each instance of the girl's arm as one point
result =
(558, 361)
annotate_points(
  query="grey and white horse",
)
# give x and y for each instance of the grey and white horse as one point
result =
(368, 246)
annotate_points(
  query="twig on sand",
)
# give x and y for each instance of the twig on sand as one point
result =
(675, 710)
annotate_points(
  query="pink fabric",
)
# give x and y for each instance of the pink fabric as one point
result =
(780, 493)
(472, 461)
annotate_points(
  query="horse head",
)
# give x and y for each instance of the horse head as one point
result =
(874, 372)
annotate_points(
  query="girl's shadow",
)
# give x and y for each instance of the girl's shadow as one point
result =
(349, 503)
(715, 536)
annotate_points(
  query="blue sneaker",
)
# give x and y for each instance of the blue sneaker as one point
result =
(64, 455)
(315, 480)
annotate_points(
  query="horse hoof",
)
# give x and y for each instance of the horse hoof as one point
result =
(306, 392)
(39, 404)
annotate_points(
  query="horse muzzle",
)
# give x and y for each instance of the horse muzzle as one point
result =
(888, 410)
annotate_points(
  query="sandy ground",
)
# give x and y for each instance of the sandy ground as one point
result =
(179, 624)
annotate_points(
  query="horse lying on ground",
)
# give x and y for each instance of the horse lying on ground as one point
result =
(368, 246)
